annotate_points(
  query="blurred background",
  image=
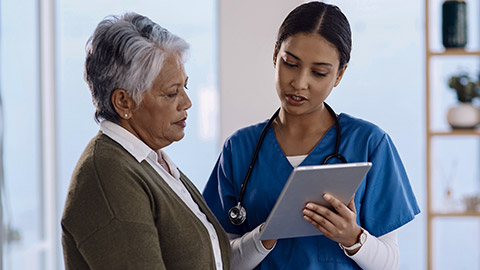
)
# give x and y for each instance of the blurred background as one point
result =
(397, 78)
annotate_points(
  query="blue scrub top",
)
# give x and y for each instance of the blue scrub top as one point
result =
(384, 201)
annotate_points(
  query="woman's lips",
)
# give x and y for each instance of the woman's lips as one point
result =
(182, 123)
(295, 100)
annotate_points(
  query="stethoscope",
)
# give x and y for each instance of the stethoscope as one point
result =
(237, 213)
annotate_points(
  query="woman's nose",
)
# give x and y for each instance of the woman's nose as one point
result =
(186, 103)
(300, 80)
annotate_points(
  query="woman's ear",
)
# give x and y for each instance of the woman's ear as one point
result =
(340, 75)
(123, 103)
(275, 53)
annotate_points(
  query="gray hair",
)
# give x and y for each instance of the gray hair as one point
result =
(126, 52)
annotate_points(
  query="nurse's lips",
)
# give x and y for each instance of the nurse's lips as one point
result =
(182, 123)
(295, 100)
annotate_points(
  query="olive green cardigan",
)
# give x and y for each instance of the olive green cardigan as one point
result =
(120, 214)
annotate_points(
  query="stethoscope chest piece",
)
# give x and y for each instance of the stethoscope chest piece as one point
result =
(237, 214)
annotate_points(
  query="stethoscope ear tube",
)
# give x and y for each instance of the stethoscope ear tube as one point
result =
(332, 156)
(337, 138)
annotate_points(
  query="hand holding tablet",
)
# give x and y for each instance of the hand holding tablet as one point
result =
(309, 184)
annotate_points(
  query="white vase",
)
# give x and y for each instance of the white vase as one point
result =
(463, 116)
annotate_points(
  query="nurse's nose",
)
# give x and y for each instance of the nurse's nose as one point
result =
(300, 80)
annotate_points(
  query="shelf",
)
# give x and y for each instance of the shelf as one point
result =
(454, 52)
(455, 214)
(455, 132)
(434, 61)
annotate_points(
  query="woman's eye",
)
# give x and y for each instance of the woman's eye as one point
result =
(288, 64)
(172, 95)
(319, 74)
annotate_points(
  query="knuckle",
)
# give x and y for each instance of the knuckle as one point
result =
(338, 206)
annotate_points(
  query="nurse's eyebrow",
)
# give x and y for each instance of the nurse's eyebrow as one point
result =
(316, 63)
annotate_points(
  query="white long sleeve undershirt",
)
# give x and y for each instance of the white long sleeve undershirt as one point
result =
(247, 250)
(378, 253)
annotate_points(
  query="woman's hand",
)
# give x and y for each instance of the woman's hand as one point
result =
(339, 225)
(268, 244)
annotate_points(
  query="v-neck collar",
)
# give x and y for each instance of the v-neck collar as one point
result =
(324, 147)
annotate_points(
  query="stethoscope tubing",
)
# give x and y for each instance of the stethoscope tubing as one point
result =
(335, 154)
(255, 155)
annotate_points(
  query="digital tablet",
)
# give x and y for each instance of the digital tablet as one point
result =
(308, 184)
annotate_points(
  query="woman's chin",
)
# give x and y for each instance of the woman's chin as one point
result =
(179, 137)
(293, 110)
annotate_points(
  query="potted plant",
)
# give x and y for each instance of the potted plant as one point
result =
(464, 115)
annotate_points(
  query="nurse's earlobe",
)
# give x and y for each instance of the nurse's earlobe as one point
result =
(340, 75)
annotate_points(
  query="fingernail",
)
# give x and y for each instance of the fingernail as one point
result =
(327, 197)
(309, 205)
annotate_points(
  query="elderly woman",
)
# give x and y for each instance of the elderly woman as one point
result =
(129, 206)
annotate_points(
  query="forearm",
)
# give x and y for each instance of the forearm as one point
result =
(379, 253)
(247, 250)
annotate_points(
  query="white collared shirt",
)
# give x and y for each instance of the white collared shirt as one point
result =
(140, 151)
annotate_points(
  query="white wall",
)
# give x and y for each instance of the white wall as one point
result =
(247, 35)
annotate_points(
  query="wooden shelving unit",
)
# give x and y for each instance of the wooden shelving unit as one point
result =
(455, 133)
(454, 52)
(432, 133)
(455, 214)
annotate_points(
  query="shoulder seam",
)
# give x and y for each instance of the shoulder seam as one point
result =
(99, 182)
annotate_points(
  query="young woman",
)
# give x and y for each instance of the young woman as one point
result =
(310, 58)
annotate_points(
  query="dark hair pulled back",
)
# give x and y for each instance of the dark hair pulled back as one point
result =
(324, 19)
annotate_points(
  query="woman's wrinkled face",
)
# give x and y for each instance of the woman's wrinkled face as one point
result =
(306, 70)
(161, 117)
